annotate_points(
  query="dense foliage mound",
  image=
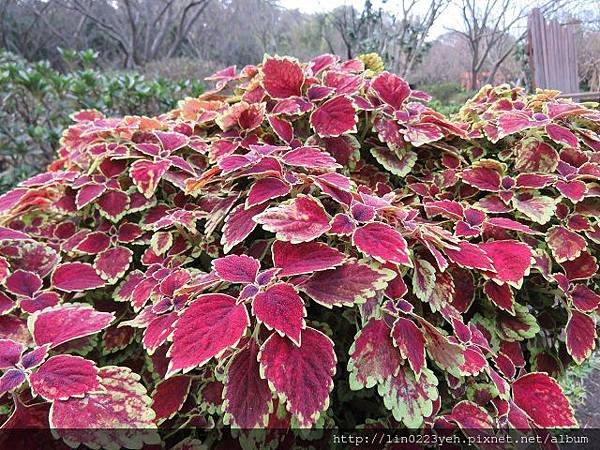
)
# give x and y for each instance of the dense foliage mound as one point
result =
(306, 245)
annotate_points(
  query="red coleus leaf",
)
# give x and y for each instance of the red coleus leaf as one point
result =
(574, 190)
(373, 357)
(500, 294)
(112, 264)
(410, 399)
(75, 277)
(170, 395)
(306, 257)
(348, 284)
(146, 175)
(113, 204)
(94, 243)
(10, 353)
(310, 157)
(299, 220)
(538, 208)
(239, 224)
(280, 308)
(100, 418)
(565, 245)
(562, 135)
(581, 335)
(391, 89)
(581, 268)
(63, 323)
(511, 260)
(171, 140)
(584, 299)
(247, 395)
(536, 156)
(472, 417)
(266, 189)
(209, 326)
(382, 242)
(64, 376)
(236, 268)
(88, 194)
(470, 256)
(334, 117)
(543, 400)
(484, 178)
(11, 379)
(302, 374)
(23, 283)
(282, 77)
(411, 343)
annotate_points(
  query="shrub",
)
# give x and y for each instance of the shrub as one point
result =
(306, 245)
(36, 103)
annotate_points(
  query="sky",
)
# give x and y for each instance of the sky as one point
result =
(448, 20)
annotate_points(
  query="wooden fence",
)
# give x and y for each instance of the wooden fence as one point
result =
(552, 54)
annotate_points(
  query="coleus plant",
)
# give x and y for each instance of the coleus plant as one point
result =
(300, 240)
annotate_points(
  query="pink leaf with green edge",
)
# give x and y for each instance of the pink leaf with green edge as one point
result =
(411, 343)
(470, 256)
(474, 363)
(76, 277)
(112, 264)
(543, 400)
(373, 357)
(236, 268)
(536, 156)
(303, 375)
(508, 224)
(282, 77)
(158, 331)
(581, 335)
(309, 157)
(476, 423)
(306, 257)
(63, 323)
(391, 89)
(400, 163)
(512, 122)
(171, 140)
(239, 224)
(584, 299)
(299, 220)
(410, 400)
(382, 242)
(448, 355)
(511, 259)
(280, 308)
(562, 135)
(334, 117)
(94, 243)
(342, 225)
(209, 326)
(119, 416)
(35, 357)
(574, 190)
(147, 174)
(346, 285)
(23, 283)
(125, 289)
(266, 189)
(282, 128)
(247, 397)
(500, 294)
(534, 180)
(64, 376)
(345, 149)
(88, 193)
(10, 353)
(170, 395)
(517, 326)
(583, 267)
(113, 204)
(484, 178)
(565, 245)
(10, 380)
(538, 208)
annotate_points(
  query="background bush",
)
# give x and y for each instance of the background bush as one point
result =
(37, 100)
